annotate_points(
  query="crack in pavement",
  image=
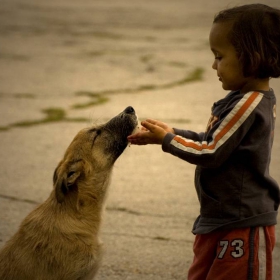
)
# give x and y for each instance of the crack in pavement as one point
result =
(13, 198)
(159, 238)
(108, 208)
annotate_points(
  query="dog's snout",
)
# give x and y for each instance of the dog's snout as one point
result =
(129, 110)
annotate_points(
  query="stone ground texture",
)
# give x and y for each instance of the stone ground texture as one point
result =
(56, 57)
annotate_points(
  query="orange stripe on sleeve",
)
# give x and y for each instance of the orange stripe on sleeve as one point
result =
(228, 126)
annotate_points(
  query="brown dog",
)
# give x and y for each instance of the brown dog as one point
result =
(59, 239)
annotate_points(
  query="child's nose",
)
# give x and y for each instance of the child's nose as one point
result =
(214, 65)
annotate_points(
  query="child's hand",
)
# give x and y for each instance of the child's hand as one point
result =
(152, 132)
(161, 124)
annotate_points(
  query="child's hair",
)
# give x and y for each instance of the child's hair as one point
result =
(255, 35)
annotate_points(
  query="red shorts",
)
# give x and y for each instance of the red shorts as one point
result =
(243, 254)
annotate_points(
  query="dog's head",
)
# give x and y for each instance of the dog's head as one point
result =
(92, 153)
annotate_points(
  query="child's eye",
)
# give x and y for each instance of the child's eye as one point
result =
(217, 55)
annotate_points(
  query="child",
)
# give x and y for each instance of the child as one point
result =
(235, 231)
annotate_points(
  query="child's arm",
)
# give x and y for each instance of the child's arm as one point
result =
(153, 132)
(212, 149)
(190, 134)
(227, 135)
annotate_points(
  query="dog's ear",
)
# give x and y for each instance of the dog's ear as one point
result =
(65, 179)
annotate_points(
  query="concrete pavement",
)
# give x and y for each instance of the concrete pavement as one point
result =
(65, 65)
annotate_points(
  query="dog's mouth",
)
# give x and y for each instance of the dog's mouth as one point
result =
(133, 123)
(130, 120)
(124, 123)
(119, 128)
(128, 111)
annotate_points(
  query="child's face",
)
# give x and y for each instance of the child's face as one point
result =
(226, 63)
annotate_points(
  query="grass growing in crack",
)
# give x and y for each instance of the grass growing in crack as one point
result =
(107, 35)
(18, 95)
(11, 56)
(25, 95)
(52, 115)
(161, 238)
(98, 99)
(195, 75)
(123, 209)
(177, 64)
(4, 128)
(146, 58)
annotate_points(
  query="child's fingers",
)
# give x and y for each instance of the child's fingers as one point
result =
(133, 136)
(155, 122)
(152, 121)
(151, 127)
(158, 123)
(137, 136)
(138, 139)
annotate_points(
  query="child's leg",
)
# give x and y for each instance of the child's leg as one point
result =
(243, 254)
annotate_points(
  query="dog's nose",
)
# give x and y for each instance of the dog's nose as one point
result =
(129, 110)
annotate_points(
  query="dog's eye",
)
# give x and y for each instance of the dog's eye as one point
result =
(96, 135)
(97, 131)
(70, 174)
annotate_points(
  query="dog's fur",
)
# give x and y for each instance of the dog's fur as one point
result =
(59, 239)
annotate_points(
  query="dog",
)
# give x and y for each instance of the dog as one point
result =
(59, 239)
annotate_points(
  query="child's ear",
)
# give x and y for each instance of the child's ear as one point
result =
(65, 180)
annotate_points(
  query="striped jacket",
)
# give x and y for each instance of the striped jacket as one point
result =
(232, 162)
